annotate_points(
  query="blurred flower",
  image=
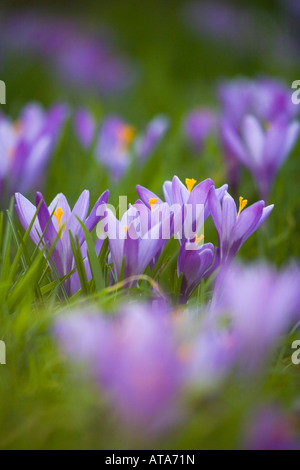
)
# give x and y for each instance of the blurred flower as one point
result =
(266, 99)
(133, 356)
(235, 226)
(260, 305)
(195, 265)
(221, 21)
(262, 152)
(26, 146)
(118, 141)
(198, 126)
(145, 143)
(272, 429)
(81, 57)
(52, 225)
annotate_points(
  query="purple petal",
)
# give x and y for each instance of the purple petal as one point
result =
(26, 211)
(145, 195)
(248, 221)
(229, 214)
(167, 190)
(95, 215)
(215, 209)
(179, 192)
(254, 138)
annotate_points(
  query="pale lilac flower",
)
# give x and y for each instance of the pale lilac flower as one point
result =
(26, 146)
(180, 197)
(56, 221)
(113, 148)
(118, 142)
(146, 143)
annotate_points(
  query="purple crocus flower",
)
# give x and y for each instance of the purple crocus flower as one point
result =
(133, 356)
(118, 141)
(198, 126)
(235, 226)
(136, 238)
(262, 152)
(195, 263)
(180, 197)
(26, 146)
(114, 145)
(58, 219)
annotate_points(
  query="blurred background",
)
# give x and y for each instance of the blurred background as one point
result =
(175, 51)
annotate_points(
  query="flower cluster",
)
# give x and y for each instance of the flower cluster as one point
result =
(138, 239)
(258, 129)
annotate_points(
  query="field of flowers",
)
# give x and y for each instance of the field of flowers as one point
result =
(149, 225)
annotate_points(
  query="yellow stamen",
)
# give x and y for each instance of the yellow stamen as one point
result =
(190, 183)
(125, 228)
(199, 239)
(127, 134)
(58, 213)
(152, 202)
(243, 203)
